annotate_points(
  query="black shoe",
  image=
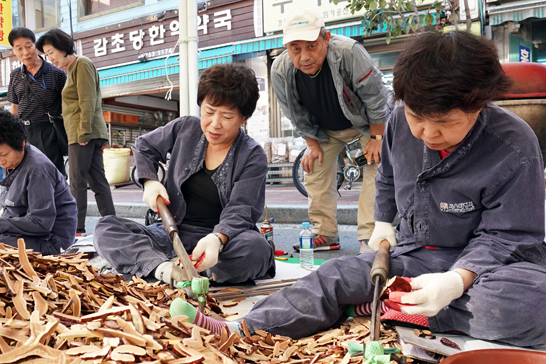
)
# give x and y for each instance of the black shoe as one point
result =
(80, 232)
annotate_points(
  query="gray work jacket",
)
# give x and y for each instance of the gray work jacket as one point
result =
(361, 94)
(240, 178)
(486, 198)
(37, 202)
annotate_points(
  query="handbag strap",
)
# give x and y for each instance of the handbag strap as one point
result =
(27, 86)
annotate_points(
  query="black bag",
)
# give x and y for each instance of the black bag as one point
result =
(57, 121)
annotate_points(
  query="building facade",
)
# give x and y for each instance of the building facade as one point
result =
(133, 44)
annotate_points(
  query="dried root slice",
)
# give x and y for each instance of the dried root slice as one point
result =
(19, 301)
(80, 350)
(130, 349)
(125, 358)
(137, 319)
(97, 354)
(195, 340)
(23, 258)
(230, 304)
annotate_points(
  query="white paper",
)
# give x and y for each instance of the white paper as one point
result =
(466, 343)
(282, 149)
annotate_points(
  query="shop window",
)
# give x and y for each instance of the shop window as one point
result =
(91, 7)
(39, 15)
(538, 32)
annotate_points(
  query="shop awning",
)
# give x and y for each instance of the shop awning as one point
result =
(516, 11)
(157, 68)
(352, 29)
(208, 57)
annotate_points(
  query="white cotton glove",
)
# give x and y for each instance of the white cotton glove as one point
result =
(432, 292)
(206, 252)
(382, 231)
(152, 189)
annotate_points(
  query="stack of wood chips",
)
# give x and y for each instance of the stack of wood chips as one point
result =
(57, 309)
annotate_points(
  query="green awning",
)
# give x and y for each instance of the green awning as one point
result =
(156, 67)
(207, 57)
(353, 29)
(516, 11)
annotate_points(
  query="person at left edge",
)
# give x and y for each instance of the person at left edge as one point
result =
(36, 204)
(215, 189)
(47, 82)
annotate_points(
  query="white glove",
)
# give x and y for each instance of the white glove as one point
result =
(152, 189)
(206, 252)
(434, 291)
(382, 231)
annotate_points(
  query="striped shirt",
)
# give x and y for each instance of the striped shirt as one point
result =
(28, 108)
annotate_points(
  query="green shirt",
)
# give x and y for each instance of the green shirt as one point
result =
(82, 103)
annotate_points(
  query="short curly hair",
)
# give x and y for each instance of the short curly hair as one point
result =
(232, 85)
(12, 131)
(439, 72)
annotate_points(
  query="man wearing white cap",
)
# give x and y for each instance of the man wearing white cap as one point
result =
(328, 86)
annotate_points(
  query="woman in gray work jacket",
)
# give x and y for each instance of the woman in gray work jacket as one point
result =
(36, 203)
(215, 189)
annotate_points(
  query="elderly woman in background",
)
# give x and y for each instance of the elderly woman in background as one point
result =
(84, 123)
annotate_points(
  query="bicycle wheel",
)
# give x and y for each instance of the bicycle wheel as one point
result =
(160, 175)
(298, 173)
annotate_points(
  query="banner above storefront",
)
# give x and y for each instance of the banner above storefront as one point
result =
(5, 21)
(275, 10)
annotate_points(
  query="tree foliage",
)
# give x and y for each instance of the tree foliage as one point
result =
(398, 17)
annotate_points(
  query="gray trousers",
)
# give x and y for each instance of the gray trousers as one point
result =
(86, 165)
(506, 304)
(47, 245)
(137, 249)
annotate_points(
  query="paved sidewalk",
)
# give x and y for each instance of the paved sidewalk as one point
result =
(284, 203)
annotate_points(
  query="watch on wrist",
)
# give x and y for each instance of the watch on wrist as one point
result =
(377, 137)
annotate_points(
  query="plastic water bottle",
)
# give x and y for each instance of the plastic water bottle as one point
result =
(306, 247)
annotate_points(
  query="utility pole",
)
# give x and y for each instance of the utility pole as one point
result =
(189, 73)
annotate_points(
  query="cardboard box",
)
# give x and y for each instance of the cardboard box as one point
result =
(129, 119)
(114, 117)
(111, 117)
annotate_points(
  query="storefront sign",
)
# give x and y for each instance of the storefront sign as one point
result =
(147, 38)
(5, 21)
(524, 54)
(157, 34)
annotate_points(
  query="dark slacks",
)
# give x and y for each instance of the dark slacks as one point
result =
(137, 249)
(86, 166)
(506, 304)
(44, 137)
(47, 245)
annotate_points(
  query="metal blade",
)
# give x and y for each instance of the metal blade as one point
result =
(375, 329)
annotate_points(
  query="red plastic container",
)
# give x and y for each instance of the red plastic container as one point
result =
(529, 80)
(497, 356)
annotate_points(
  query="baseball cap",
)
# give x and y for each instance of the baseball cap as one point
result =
(302, 24)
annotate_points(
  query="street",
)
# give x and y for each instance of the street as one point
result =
(285, 236)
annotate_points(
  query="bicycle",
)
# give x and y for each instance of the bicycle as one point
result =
(349, 172)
